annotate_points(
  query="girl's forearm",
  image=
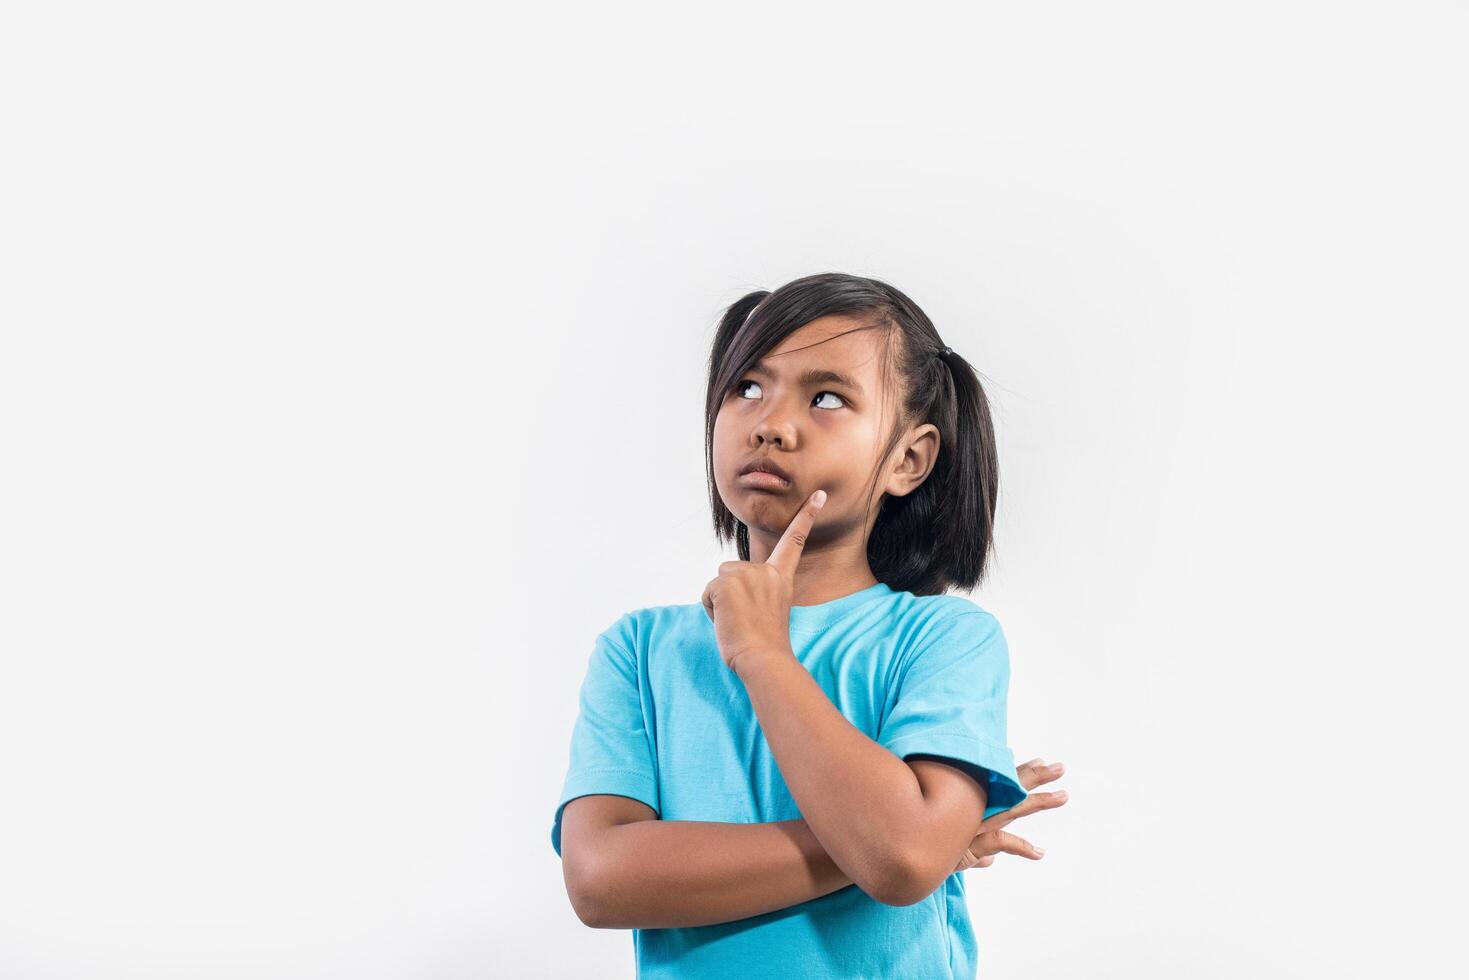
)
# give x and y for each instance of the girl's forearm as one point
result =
(658, 874)
(863, 802)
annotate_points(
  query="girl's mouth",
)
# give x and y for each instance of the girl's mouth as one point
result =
(759, 480)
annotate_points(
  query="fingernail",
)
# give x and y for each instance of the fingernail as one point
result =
(820, 497)
(1040, 850)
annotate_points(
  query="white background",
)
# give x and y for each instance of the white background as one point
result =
(351, 382)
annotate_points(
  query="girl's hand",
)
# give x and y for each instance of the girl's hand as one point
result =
(750, 601)
(992, 840)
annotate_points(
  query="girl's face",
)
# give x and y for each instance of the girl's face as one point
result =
(813, 406)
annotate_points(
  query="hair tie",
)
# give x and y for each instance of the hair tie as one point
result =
(944, 354)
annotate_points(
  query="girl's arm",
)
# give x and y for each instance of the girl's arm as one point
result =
(624, 869)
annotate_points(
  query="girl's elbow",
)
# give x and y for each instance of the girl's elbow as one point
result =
(596, 913)
(908, 880)
(586, 909)
(585, 895)
(890, 882)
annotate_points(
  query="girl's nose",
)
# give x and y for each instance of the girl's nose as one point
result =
(774, 429)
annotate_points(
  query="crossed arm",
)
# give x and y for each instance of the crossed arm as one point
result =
(893, 828)
(626, 869)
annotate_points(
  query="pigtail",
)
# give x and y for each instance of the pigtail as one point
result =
(966, 517)
(727, 527)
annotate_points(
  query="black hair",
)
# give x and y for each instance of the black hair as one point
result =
(938, 536)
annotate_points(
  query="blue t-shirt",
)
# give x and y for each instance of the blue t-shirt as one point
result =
(664, 721)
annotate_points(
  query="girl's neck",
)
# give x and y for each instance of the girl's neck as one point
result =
(814, 591)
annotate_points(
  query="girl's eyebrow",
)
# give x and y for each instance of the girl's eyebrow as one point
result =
(816, 376)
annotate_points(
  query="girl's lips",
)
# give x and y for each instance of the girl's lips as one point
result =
(757, 480)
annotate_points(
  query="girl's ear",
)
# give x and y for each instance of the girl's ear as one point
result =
(919, 453)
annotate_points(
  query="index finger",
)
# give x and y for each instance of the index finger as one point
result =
(787, 551)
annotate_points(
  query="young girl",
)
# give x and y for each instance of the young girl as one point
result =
(785, 779)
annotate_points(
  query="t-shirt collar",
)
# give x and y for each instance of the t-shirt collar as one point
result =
(811, 619)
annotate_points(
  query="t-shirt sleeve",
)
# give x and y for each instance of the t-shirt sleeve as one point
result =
(951, 703)
(611, 748)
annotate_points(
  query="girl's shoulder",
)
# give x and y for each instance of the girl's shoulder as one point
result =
(636, 627)
(935, 608)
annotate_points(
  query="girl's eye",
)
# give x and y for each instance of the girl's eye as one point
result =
(740, 387)
(834, 395)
